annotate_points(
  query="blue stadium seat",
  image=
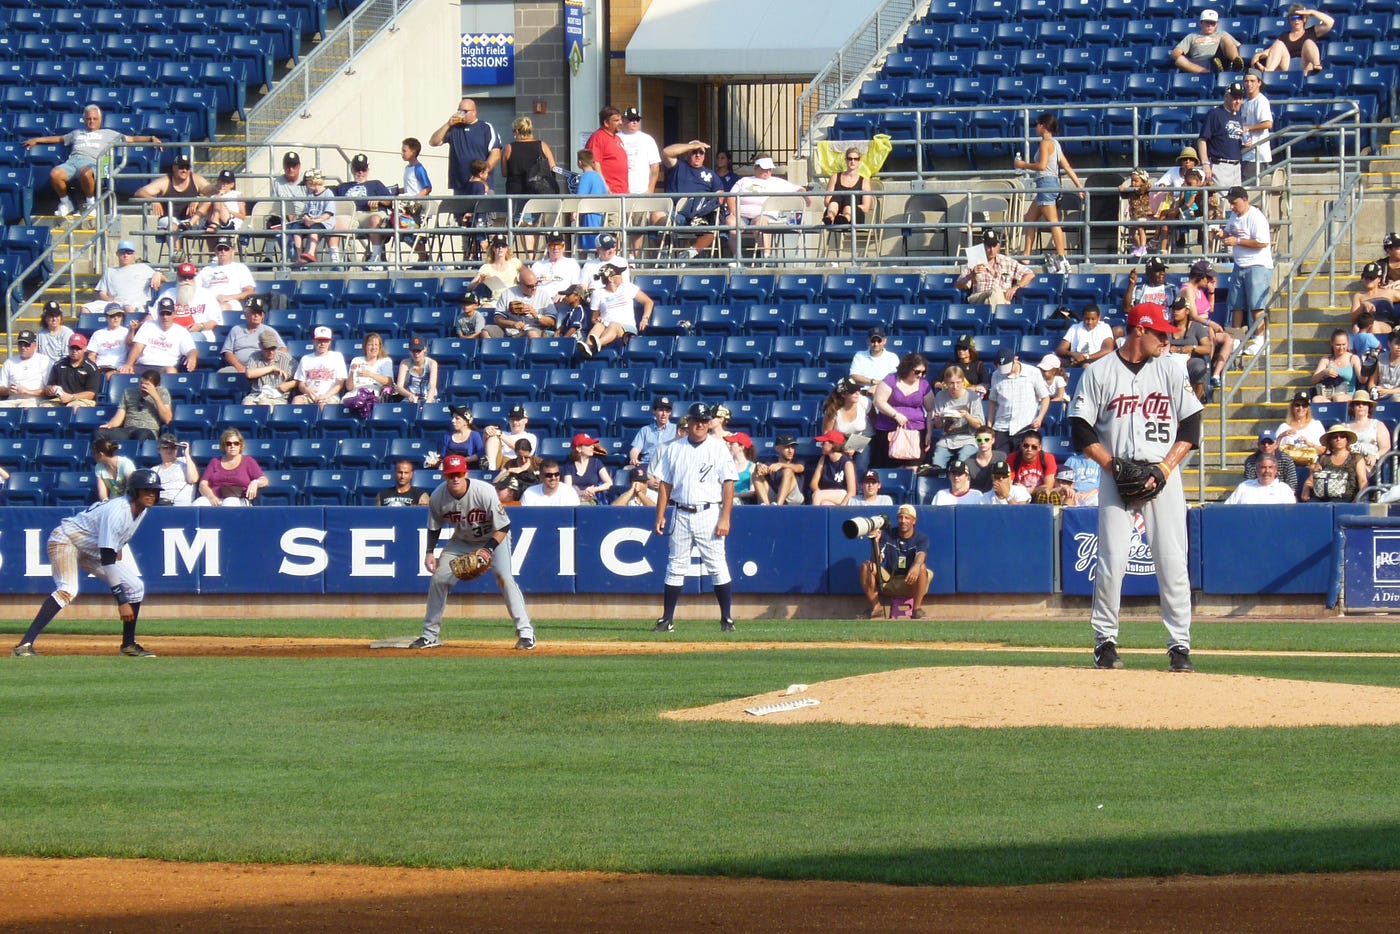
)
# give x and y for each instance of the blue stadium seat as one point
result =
(569, 383)
(18, 453)
(795, 287)
(949, 11)
(961, 317)
(989, 345)
(993, 11)
(839, 349)
(700, 288)
(1045, 287)
(965, 92)
(818, 318)
(620, 384)
(413, 449)
(1059, 35)
(370, 482)
(990, 63)
(895, 287)
(668, 381)
(548, 352)
(750, 287)
(719, 319)
(896, 482)
(938, 349)
(268, 452)
(329, 487)
(697, 350)
(796, 417)
(659, 288)
(916, 318)
(521, 385)
(1018, 319)
(863, 318)
(414, 291)
(950, 64)
(851, 287)
(546, 417)
(596, 418)
(719, 383)
(794, 349)
(1032, 347)
(971, 35)
(1185, 86)
(500, 353)
(1037, 62)
(27, 488)
(73, 488)
(746, 350)
(470, 385)
(1057, 90)
(1080, 133)
(360, 452)
(648, 350)
(851, 126)
(928, 37)
(1014, 89)
(387, 323)
(816, 382)
(391, 420)
(1015, 35)
(773, 382)
(249, 419)
(633, 414)
(775, 318)
(883, 92)
(45, 423)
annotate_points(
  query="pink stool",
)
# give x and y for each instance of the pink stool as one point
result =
(901, 607)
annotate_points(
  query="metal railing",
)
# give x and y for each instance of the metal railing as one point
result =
(871, 39)
(333, 55)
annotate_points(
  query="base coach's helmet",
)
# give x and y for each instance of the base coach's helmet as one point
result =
(699, 410)
(142, 480)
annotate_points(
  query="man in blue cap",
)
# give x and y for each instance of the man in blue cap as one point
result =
(129, 283)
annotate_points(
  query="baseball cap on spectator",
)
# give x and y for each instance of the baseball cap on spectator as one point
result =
(454, 464)
(313, 175)
(360, 161)
(612, 267)
(291, 158)
(607, 242)
(1049, 362)
(254, 304)
(846, 385)
(499, 241)
(1151, 317)
(721, 412)
(637, 474)
(471, 298)
(166, 306)
(631, 113)
(223, 243)
(227, 176)
(1267, 435)
(517, 411)
(1392, 240)
(784, 441)
(742, 437)
(583, 439)
(661, 402)
(554, 236)
(835, 437)
(126, 246)
(181, 162)
(1065, 473)
(990, 238)
(1236, 192)
(875, 333)
(461, 411)
(267, 338)
(114, 308)
(52, 309)
(168, 440)
(417, 343)
(1255, 73)
(323, 333)
(909, 508)
(1001, 469)
(1235, 90)
(1154, 264)
(1005, 355)
(1302, 396)
(1371, 271)
(957, 468)
(1210, 16)
(870, 477)
(764, 163)
(25, 337)
(965, 341)
(77, 340)
(186, 271)
(1202, 267)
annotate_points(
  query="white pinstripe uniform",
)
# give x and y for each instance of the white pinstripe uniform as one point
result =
(696, 474)
(474, 519)
(77, 543)
(1137, 416)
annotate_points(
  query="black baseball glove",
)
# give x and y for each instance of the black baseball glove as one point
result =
(1132, 476)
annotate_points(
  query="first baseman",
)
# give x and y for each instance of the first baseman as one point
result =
(1136, 404)
(95, 541)
(697, 474)
(477, 519)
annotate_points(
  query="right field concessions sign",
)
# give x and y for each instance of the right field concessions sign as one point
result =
(1371, 568)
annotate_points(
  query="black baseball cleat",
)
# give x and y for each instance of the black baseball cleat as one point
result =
(1106, 656)
(134, 650)
(663, 625)
(525, 643)
(726, 625)
(423, 642)
(1179, 659)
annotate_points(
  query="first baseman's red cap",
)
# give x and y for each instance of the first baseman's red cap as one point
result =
(835, 437)
(454, 464)
(1151, 317)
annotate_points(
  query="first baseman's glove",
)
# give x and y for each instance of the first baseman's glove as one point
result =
(1132, 476)
(472, 565)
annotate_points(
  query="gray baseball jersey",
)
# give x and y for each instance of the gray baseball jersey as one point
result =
(1135, 414)
(474, 518)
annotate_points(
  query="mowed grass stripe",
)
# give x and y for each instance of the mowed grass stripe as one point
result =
(563, 763)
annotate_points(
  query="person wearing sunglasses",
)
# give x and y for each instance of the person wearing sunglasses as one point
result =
(870, 366)
(230, 280)
(233, 478)
(844, 209)
(1031, 465)
(551, 490)
(1017, 400)
(1298, 41)
(160, 344)
(1267, 446)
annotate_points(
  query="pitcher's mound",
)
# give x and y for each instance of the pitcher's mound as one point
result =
(1068, 697)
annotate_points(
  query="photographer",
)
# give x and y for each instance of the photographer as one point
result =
(177, 473)
(897, 565)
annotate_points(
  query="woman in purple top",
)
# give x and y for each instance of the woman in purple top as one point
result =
(904, 399)
(233, 479)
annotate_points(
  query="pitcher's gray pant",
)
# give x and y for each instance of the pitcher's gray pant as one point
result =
(444, 580)
(1165, 517)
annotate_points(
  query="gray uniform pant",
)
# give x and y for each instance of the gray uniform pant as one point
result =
(444, 580)
(1165, 517)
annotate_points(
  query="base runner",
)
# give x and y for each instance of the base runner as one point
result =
(477, 520)
(95, 541)
(697, 474)
(1134, 414)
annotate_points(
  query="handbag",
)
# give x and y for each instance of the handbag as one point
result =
(904, 444)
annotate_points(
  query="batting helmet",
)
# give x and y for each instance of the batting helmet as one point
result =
(699, 410)
(141, 480)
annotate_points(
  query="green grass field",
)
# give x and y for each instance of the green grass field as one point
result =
(539, 762)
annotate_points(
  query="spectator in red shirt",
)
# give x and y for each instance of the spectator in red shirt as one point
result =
(608, 151)
(1032, 466)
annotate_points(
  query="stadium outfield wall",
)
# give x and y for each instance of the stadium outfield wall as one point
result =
(788, 561)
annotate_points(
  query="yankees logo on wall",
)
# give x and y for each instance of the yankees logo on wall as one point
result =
(1079, 543)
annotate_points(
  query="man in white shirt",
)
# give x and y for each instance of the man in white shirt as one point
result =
(871, 366)
(643, 162)
(196, 308)
(1004, 491)
(229, 280)
(550, 491)
(24, 377)
(1266, 487)
(556, 272)
(960, 491)
(523, 310)
(1246, 233)
(320, 375)
(1016, 400)
(160, 344)
(107, 347)
(605, 253)
(1258, 119)
(752, 202)
(131, 283)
